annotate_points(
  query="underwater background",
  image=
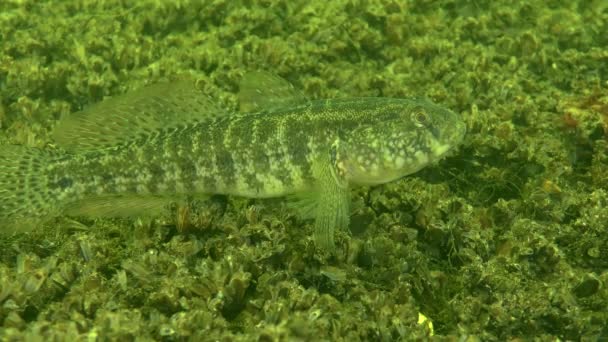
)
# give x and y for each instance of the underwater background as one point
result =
(506, 239)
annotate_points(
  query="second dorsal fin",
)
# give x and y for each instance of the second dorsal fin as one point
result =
(140, 112)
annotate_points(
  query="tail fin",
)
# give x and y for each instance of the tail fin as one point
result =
(25, 199)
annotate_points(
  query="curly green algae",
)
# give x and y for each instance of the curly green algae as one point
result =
(505, 239)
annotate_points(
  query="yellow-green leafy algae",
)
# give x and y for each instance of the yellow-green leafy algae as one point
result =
(505, 239)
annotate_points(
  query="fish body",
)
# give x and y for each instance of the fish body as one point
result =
(284, 145)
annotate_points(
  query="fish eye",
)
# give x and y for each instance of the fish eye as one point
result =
(420, 117)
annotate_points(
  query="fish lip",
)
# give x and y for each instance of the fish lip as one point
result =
(457, 138)
(452, 142)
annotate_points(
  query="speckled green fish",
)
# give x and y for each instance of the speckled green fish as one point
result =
(136, 152)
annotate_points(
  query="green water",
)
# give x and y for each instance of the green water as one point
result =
(506, 238)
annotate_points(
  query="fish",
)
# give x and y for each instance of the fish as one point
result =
(135, 152)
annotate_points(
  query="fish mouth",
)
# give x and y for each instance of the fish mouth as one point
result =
(443, 147)
(460, 132)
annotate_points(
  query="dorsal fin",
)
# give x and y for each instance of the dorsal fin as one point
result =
(140, 112)
(260, 90)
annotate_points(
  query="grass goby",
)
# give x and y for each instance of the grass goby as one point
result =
(134, 153)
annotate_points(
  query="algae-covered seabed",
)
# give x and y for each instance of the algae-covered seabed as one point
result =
(505, 239)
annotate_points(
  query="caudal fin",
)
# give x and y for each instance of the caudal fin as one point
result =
(25, 199)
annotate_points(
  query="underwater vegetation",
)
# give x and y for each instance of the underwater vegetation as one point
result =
(504, 239)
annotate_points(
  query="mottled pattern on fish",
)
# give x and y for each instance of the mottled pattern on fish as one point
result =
(315, 149)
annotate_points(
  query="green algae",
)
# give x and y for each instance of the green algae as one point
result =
(505, 239)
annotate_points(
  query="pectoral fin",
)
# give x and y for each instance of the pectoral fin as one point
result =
(328, 204)
(332, 213)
